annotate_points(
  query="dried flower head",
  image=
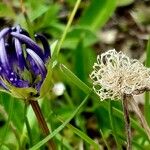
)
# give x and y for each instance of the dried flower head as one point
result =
(116, 74)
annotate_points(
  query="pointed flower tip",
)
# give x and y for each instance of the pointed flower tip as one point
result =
(38, 61)
(44, 41)
(116, 74)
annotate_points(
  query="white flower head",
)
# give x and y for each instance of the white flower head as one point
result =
(116, 74)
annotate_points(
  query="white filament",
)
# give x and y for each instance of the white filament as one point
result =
(115, 74)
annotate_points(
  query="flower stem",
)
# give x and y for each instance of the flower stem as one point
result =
(127, 119)
(140, 116)
(42, 122)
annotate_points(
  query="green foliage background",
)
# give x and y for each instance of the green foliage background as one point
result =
(77, 118)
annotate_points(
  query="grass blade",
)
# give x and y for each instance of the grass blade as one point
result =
(99, 12)
(113, 125)
(82, 135)
(73, 78)
(147, 95)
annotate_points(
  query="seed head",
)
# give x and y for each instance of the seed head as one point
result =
(116, 74)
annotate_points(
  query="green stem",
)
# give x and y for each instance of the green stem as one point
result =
(68, 99)
(147, 107)
(108, 148)
(58, 47)
(42, 123)
(113, 125)
(147, 95)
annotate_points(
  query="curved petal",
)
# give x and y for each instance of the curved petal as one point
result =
(47, 51)
(33, 65)
(24, 32)
(29, 42)
(18, 48)
(3, 55)
(38, 61)
(4, 32)
(19, 52)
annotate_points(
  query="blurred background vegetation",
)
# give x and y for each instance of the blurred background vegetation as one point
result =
(98, 25)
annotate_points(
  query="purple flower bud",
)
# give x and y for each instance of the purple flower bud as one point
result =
(22, 61)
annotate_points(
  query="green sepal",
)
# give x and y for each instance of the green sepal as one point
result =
(46, 86)
(23, 93)
(47, 83)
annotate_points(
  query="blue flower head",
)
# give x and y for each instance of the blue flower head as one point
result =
(22, 62)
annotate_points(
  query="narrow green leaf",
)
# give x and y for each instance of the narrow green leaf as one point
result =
(113, 125)
(63, 141)
(53, 46)
(104, 140)
(79, 66)
(147, 94)
(135, 143)
(124, 2)
(83, 136)
(38, 145)
(99, 12)
(148, 54)
(58, 47)
(47, 84)
(73, 78)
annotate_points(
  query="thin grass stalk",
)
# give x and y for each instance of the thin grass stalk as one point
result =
(125, 100)
(58, 47)
(42, 123)
(106, 144)
(28, 125)
(113, 125)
